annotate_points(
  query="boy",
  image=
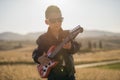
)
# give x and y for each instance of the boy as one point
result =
(64, 70)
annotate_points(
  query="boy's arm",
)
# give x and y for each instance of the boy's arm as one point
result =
(36, 54)
(39, 50)
(72, 47)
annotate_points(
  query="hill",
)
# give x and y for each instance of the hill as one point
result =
(33, 36)
(9, 36)
(97, 34)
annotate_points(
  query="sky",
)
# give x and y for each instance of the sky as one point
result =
(25, 16)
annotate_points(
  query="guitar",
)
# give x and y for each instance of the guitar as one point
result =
(45, 70)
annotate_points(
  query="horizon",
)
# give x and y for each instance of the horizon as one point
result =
(26, 16)
(44, 31)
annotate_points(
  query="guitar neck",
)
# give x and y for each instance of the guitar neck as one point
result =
(58, 48)
(71, 36)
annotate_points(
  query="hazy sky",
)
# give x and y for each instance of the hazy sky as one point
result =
(23, 16)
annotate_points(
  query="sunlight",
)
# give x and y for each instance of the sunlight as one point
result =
(60, 3)
(30, 14)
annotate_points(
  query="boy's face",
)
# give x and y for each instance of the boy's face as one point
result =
(54, 21)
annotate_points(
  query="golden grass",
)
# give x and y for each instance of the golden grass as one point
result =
(97, 74)
(18, 72)
(23, 54)
(97, 56)
(29, 72)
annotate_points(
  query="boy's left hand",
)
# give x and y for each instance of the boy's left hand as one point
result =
(67, 45)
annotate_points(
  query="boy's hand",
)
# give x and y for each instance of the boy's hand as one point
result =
(43, 59)
(67, 45)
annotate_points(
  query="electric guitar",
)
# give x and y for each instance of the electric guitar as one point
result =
(45, 70)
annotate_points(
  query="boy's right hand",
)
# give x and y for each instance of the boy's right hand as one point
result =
(43, 59)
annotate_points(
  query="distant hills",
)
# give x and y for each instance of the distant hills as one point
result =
(33, 36)
(18, 37)
(96, 33)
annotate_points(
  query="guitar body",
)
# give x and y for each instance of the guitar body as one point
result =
(45, 70)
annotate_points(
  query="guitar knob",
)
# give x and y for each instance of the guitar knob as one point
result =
(44, 70)
(46, 66)
(49, 63)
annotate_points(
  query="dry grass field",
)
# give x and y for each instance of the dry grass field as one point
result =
(97, 56)
(29, 72)
(97, 74)
(17, 64)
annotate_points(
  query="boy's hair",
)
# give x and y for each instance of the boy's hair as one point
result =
(52, 9)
